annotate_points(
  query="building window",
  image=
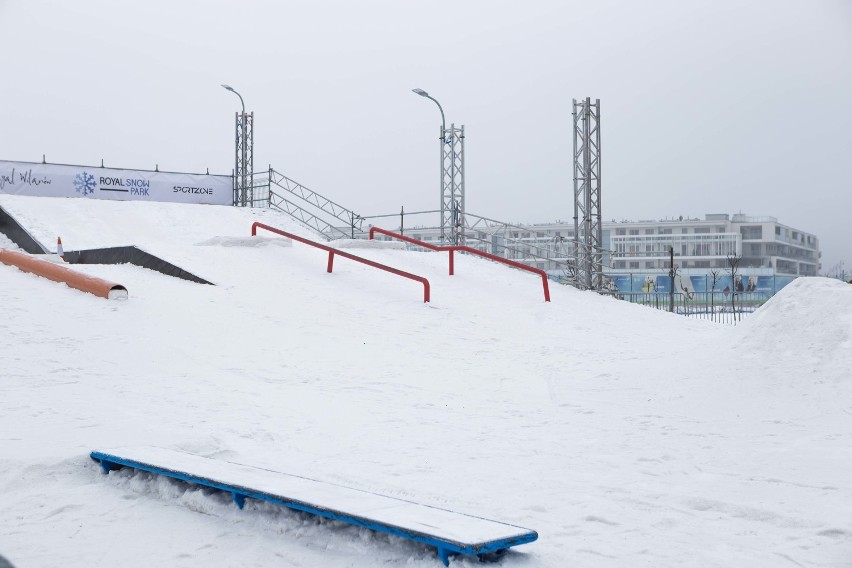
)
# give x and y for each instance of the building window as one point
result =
(752, 232)
(634, 231)
(777, 231)
(634, 265)
(649, 264)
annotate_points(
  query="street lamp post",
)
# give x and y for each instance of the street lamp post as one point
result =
(423, 93)
(244, 154)
(452, 177)
(230, 88)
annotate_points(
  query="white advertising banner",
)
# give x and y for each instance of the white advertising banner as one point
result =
(54, 180)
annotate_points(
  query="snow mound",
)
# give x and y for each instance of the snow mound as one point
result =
(808, 316)
(246, 242)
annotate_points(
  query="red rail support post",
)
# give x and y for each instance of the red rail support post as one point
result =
(512, 263)
(452, 249)
(374, 230)
(333, 251)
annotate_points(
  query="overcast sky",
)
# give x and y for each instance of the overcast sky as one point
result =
(707, 106)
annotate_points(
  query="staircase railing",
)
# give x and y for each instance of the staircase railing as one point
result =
(326, 217)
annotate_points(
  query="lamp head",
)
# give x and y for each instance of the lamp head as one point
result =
(227, 87)
(420, 92)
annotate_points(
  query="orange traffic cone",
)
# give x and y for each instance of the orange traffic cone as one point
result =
(59, 250)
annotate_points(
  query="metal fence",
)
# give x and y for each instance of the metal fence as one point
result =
(714, 306)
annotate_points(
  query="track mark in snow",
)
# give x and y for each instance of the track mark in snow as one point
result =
(835, 533)
(63, 509)
(594, 519)
(747, 513)
(595, 552)
(794, 484)
(785, 557)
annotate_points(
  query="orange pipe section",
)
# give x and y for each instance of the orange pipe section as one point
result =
(58, 273)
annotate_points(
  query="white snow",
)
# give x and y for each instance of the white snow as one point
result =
(625, 436)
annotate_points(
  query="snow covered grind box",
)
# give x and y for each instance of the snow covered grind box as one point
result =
(448, 531)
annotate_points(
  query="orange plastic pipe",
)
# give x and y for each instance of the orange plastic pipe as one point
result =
(58, 273)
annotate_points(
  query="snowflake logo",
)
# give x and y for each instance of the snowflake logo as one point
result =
(84, 183)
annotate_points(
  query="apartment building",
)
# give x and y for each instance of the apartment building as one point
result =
(762, 242)
(769, 250)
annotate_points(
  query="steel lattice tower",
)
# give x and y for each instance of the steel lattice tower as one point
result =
(452, 185)
(588, 234)
(244, 160)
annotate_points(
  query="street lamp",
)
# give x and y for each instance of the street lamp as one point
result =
(423, 93)
(244, 155)
(230, 88)
(452, 189)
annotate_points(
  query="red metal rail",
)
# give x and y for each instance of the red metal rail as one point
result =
(333, 251)
(451, 249)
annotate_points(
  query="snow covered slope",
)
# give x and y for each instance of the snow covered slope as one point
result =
(623, 435)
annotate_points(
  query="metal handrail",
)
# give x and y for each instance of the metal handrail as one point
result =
(333, 251)
(452, 248)
(313, 198)
(304, 216)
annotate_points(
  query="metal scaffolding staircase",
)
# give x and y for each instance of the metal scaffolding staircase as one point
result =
(329, 219)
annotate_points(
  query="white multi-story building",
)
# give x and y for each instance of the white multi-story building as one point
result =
(762, 242)
(640, 249)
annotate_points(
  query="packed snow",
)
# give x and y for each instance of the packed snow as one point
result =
(625, 436)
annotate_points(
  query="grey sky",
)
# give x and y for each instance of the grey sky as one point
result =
(707, 106)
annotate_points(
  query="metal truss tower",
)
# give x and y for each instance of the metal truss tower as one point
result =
(588, 234)
(244, 160)
(452, 185)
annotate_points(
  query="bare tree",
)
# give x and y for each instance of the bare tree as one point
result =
(714, 275)
(733, 264)
(672, 274)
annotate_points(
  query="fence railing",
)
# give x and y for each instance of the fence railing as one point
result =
(333, 251)
(714, 306)
(452, 248)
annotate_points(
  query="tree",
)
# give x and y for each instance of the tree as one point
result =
(714, 275)
(733, 264)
